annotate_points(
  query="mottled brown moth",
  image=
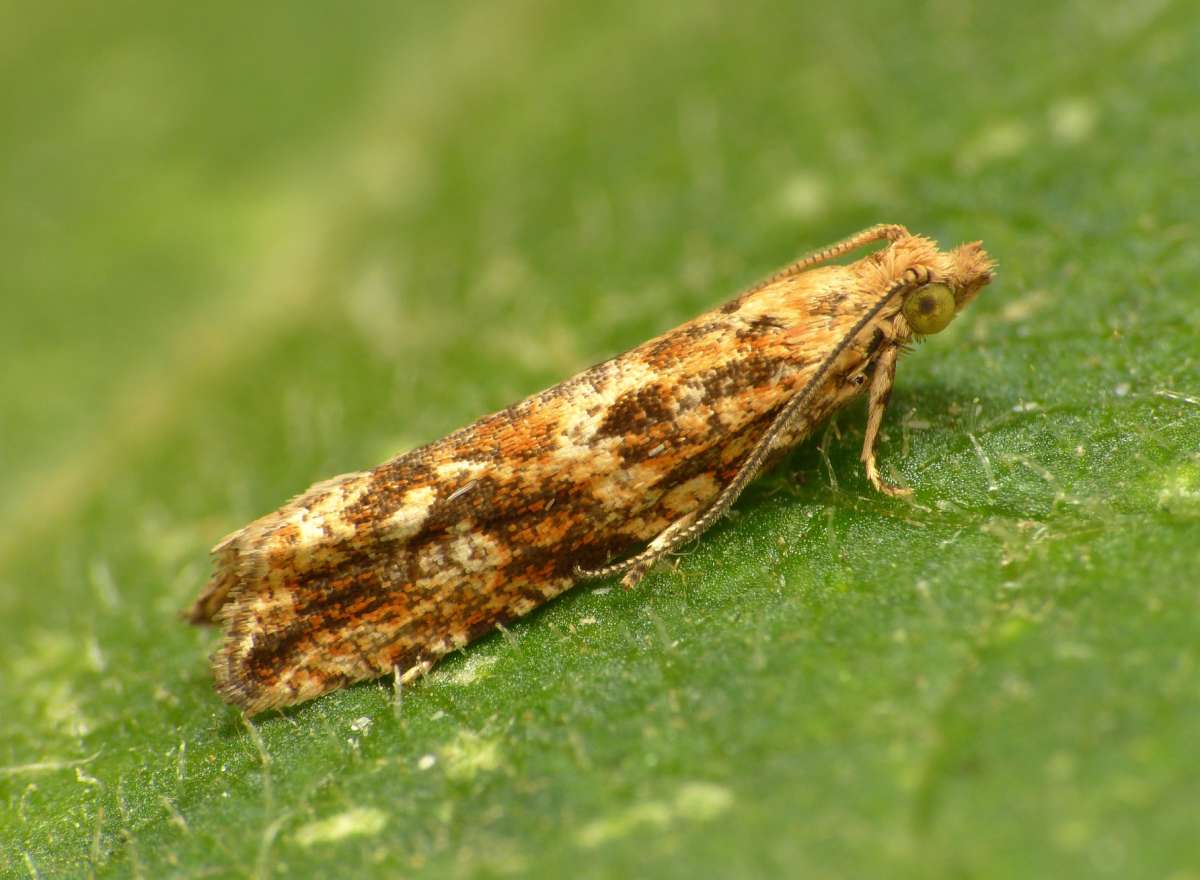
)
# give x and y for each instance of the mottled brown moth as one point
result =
(602, 475)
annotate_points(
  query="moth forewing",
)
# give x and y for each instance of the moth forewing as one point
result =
(605, 473)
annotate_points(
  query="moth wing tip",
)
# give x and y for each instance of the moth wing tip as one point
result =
(236, 685)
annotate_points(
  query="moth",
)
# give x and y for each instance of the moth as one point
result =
(387, 570)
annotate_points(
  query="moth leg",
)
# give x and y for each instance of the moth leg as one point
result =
(882, 379)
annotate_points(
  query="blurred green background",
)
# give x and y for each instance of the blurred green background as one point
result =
(249, 246)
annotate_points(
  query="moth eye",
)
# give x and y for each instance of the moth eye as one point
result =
(929, 309)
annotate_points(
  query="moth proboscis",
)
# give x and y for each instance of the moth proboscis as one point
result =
(601, 475)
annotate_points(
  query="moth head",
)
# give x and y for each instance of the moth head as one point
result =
(962, 273)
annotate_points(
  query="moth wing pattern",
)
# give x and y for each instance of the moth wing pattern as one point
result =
(394, 567)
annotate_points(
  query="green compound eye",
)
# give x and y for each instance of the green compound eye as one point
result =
(929, 309)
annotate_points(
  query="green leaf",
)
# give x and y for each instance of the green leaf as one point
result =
(250, 246)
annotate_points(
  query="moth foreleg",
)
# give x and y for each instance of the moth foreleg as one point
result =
(883, 377)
